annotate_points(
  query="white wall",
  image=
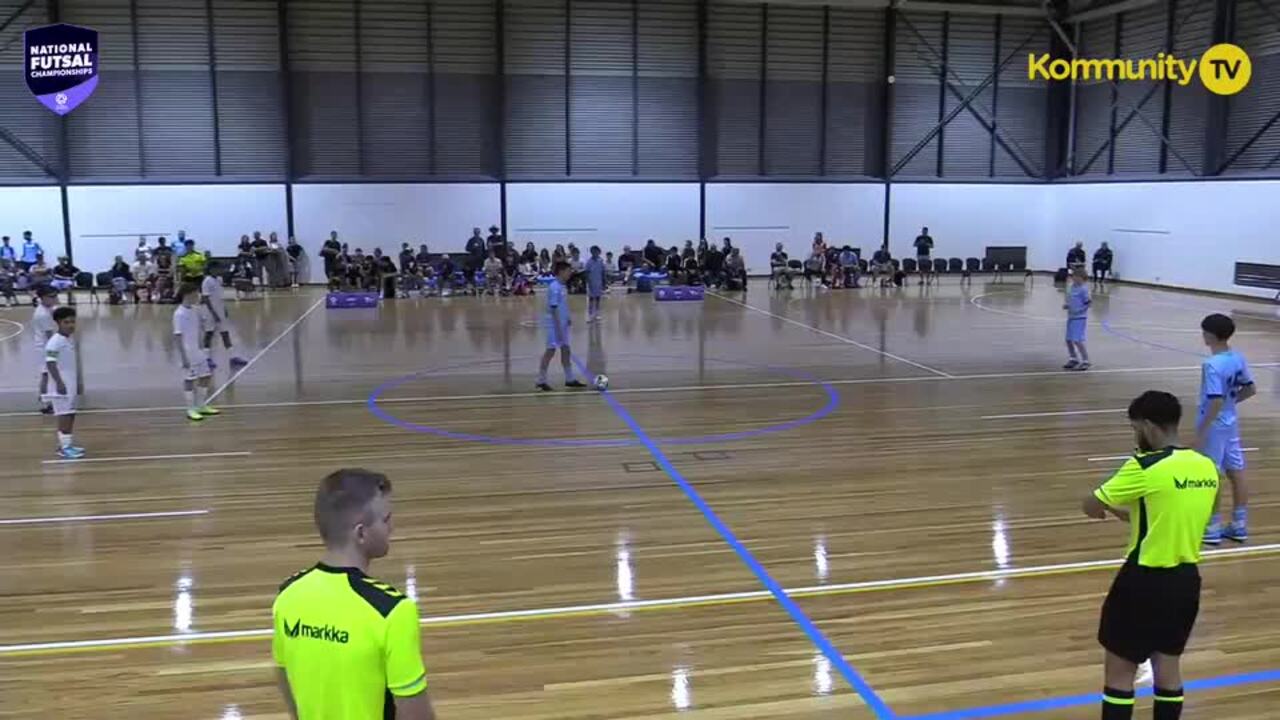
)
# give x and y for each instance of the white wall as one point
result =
(1184, 234)
(386, 215)
(38, 209)
(758, 215)
(107, 220)
(964, 219)
(608, 215)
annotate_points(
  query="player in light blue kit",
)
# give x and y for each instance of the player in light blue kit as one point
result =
(556, 323)
(1225, 382)
(1077, 307)
(595, 272)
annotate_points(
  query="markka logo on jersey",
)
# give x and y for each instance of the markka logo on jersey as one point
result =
(328, 633)
(61, 65)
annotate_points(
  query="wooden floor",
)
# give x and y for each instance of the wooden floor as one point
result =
(908, 463)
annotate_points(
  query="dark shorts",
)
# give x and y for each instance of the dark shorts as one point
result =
(1150, 610)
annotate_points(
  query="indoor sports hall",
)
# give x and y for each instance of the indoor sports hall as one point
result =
(829, 482)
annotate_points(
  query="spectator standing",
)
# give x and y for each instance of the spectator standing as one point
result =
(406, 257)
(475, 250)
(924, 254)
(30, 251)
(496, 244)
(329, 252)
(6, 251)
(294, 253)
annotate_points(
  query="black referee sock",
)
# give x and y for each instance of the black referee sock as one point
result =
(1168, 704)
(1117, 704)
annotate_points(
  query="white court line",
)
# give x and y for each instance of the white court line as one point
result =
(570, 610)
(15, 333)
(130, 458)
(264, 350)
(1060, 413)
(663, 389)
(834, 336)
(1126, 457)
(101, 518)
(1121, 325)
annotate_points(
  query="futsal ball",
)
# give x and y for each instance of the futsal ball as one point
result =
(601, 383)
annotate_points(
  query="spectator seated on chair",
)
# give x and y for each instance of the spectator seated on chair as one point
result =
(735, 271)
(780, 267)
(835, 272)
(691, 269)
(495, 275)
(122, 283)
(8, 282)
(1076, 257)
(446, 272)
(881, 267)
(626, 264)
(713, 267)
(849, 267)
(63, 277)
(674, 266)
(1102, 259)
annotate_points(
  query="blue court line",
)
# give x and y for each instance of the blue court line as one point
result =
(1046, 704)
(815, 635)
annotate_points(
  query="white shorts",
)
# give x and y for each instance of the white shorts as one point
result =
(62, 404)
(199, 366)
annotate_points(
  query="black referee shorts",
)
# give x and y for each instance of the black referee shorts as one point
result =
(1150, 610)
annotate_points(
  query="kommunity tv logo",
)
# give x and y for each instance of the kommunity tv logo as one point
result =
(1223, 69)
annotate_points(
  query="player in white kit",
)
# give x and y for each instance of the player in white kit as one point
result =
(42, 328)
(214, 314)
(195, 359)
(60, 363)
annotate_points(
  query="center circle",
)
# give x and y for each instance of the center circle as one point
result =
(832, 400)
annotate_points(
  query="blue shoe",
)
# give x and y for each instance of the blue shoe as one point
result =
(1212, 535)
(1238, 533)
(71, 453)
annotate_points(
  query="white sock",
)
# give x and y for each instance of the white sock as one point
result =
(64, 440)
(190, 396)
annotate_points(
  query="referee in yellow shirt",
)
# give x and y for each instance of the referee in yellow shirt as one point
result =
(1166, 493)
(346, 646)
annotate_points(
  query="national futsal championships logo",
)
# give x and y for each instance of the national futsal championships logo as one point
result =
(61, 65)
(1224, 69)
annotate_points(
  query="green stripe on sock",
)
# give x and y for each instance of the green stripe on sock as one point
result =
(1118, 701)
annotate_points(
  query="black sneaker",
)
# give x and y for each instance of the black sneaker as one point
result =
(574, 384)
(46, 409)
(544, 387)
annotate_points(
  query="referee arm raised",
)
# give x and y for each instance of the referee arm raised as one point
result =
(347, 646)
(1166, 492)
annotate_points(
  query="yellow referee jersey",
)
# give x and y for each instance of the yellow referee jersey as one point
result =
(1169, 494)
(348, 643)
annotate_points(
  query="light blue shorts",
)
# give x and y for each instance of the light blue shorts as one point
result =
(1075, 329)
(554, 341)
(1222, 446)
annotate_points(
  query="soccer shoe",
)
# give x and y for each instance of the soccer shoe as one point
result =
(46, 409)
(194, 415)
(1072, 364)
(71, 453)
(238, 362)
(1083, 366)
(1212, 535)
(544, 387)
(212, 365)
(1237, 533)
(574, 384)
(208, 410)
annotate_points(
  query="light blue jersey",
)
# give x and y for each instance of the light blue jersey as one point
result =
(1223, 375)
(556, 317)
(1078, 302)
